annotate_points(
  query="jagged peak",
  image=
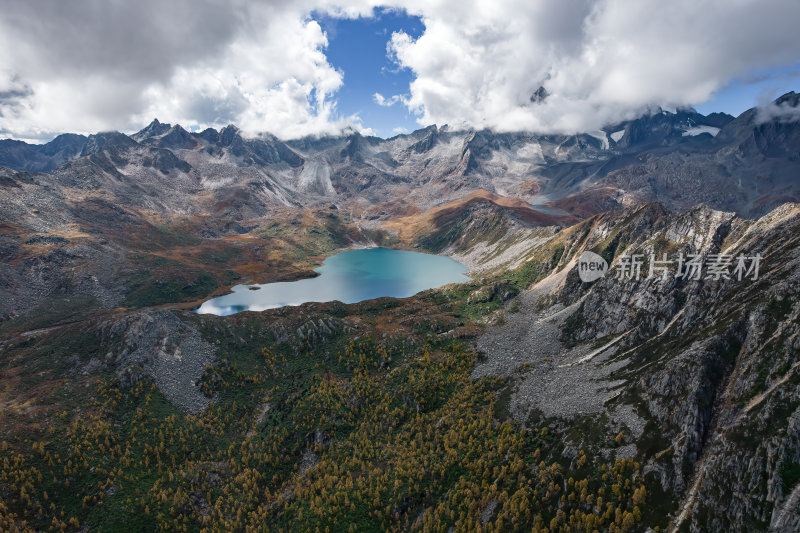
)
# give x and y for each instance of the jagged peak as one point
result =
(154, 129)
(177, 127)
(229, 135)
(791, 98)
(539, 95)
(781, 212)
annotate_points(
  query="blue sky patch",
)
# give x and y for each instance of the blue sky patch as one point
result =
(357, 47)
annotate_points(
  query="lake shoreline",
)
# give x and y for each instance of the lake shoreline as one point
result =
(350, 276)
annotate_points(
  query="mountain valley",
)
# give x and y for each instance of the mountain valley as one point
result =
(524, 399)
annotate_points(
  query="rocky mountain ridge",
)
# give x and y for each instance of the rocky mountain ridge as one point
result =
(674, 158)
(698, 376)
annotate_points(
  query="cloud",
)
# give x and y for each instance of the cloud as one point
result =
(87, 63)
(276, 79)
(478, 63)
(786, 111)
(92, 65)
(382, 101)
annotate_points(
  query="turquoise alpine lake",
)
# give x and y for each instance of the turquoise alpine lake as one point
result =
(349, 277)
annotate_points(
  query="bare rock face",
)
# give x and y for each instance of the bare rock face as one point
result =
(701, 375)
(61, 269)
(171, 352)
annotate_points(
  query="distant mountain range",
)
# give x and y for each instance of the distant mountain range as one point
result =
(747, 164)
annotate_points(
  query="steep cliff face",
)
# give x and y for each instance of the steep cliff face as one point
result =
(699, 376)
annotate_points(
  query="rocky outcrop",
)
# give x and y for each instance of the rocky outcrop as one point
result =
(171, 352)
(700, 376)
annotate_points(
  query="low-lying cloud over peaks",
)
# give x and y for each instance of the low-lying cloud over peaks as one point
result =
(598, 61)
(89, 65)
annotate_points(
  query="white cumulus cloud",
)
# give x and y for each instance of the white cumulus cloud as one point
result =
(478, 63)
(92, 65)
(382, 101)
